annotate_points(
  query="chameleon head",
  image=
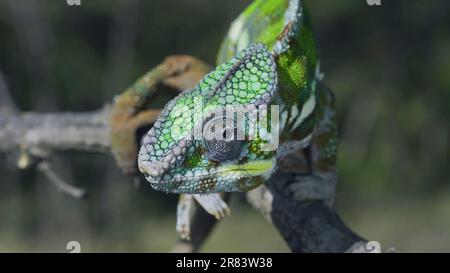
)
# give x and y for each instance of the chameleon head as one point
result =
(205, 139)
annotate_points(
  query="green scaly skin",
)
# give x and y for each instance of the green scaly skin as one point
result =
(268, 57)
(180, 163)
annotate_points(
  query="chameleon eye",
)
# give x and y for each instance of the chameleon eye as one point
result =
(221, 139)
(222, 150)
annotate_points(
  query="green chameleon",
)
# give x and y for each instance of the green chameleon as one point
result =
(269, 58)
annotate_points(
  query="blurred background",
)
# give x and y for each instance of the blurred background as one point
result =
(389, 66)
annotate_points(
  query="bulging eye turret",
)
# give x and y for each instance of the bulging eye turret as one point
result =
(222, 138)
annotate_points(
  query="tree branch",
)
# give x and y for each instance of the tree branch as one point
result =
(42, 134)
(299, 205)
(307, 225)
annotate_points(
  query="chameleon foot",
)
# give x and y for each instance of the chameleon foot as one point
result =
(184, 216)
(213, 204)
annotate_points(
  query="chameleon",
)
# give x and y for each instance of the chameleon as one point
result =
(269, 58)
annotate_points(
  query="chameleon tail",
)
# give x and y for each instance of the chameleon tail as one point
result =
(125, 120)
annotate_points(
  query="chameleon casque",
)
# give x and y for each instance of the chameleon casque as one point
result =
(269, 58)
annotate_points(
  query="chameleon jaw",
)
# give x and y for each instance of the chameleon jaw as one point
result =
(232, 177)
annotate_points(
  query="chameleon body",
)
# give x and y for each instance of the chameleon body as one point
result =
(269, 58)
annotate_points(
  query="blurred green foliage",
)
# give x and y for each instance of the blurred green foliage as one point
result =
(389, 67)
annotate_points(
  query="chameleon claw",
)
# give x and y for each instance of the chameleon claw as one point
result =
(213, 204)
(227, 211)
(184, 232)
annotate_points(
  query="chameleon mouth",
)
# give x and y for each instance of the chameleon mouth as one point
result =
(228, 172)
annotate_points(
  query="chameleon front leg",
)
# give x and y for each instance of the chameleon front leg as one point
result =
(211, 203)
(184, 208)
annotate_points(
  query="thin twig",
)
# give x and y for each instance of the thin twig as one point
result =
(61, 185)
